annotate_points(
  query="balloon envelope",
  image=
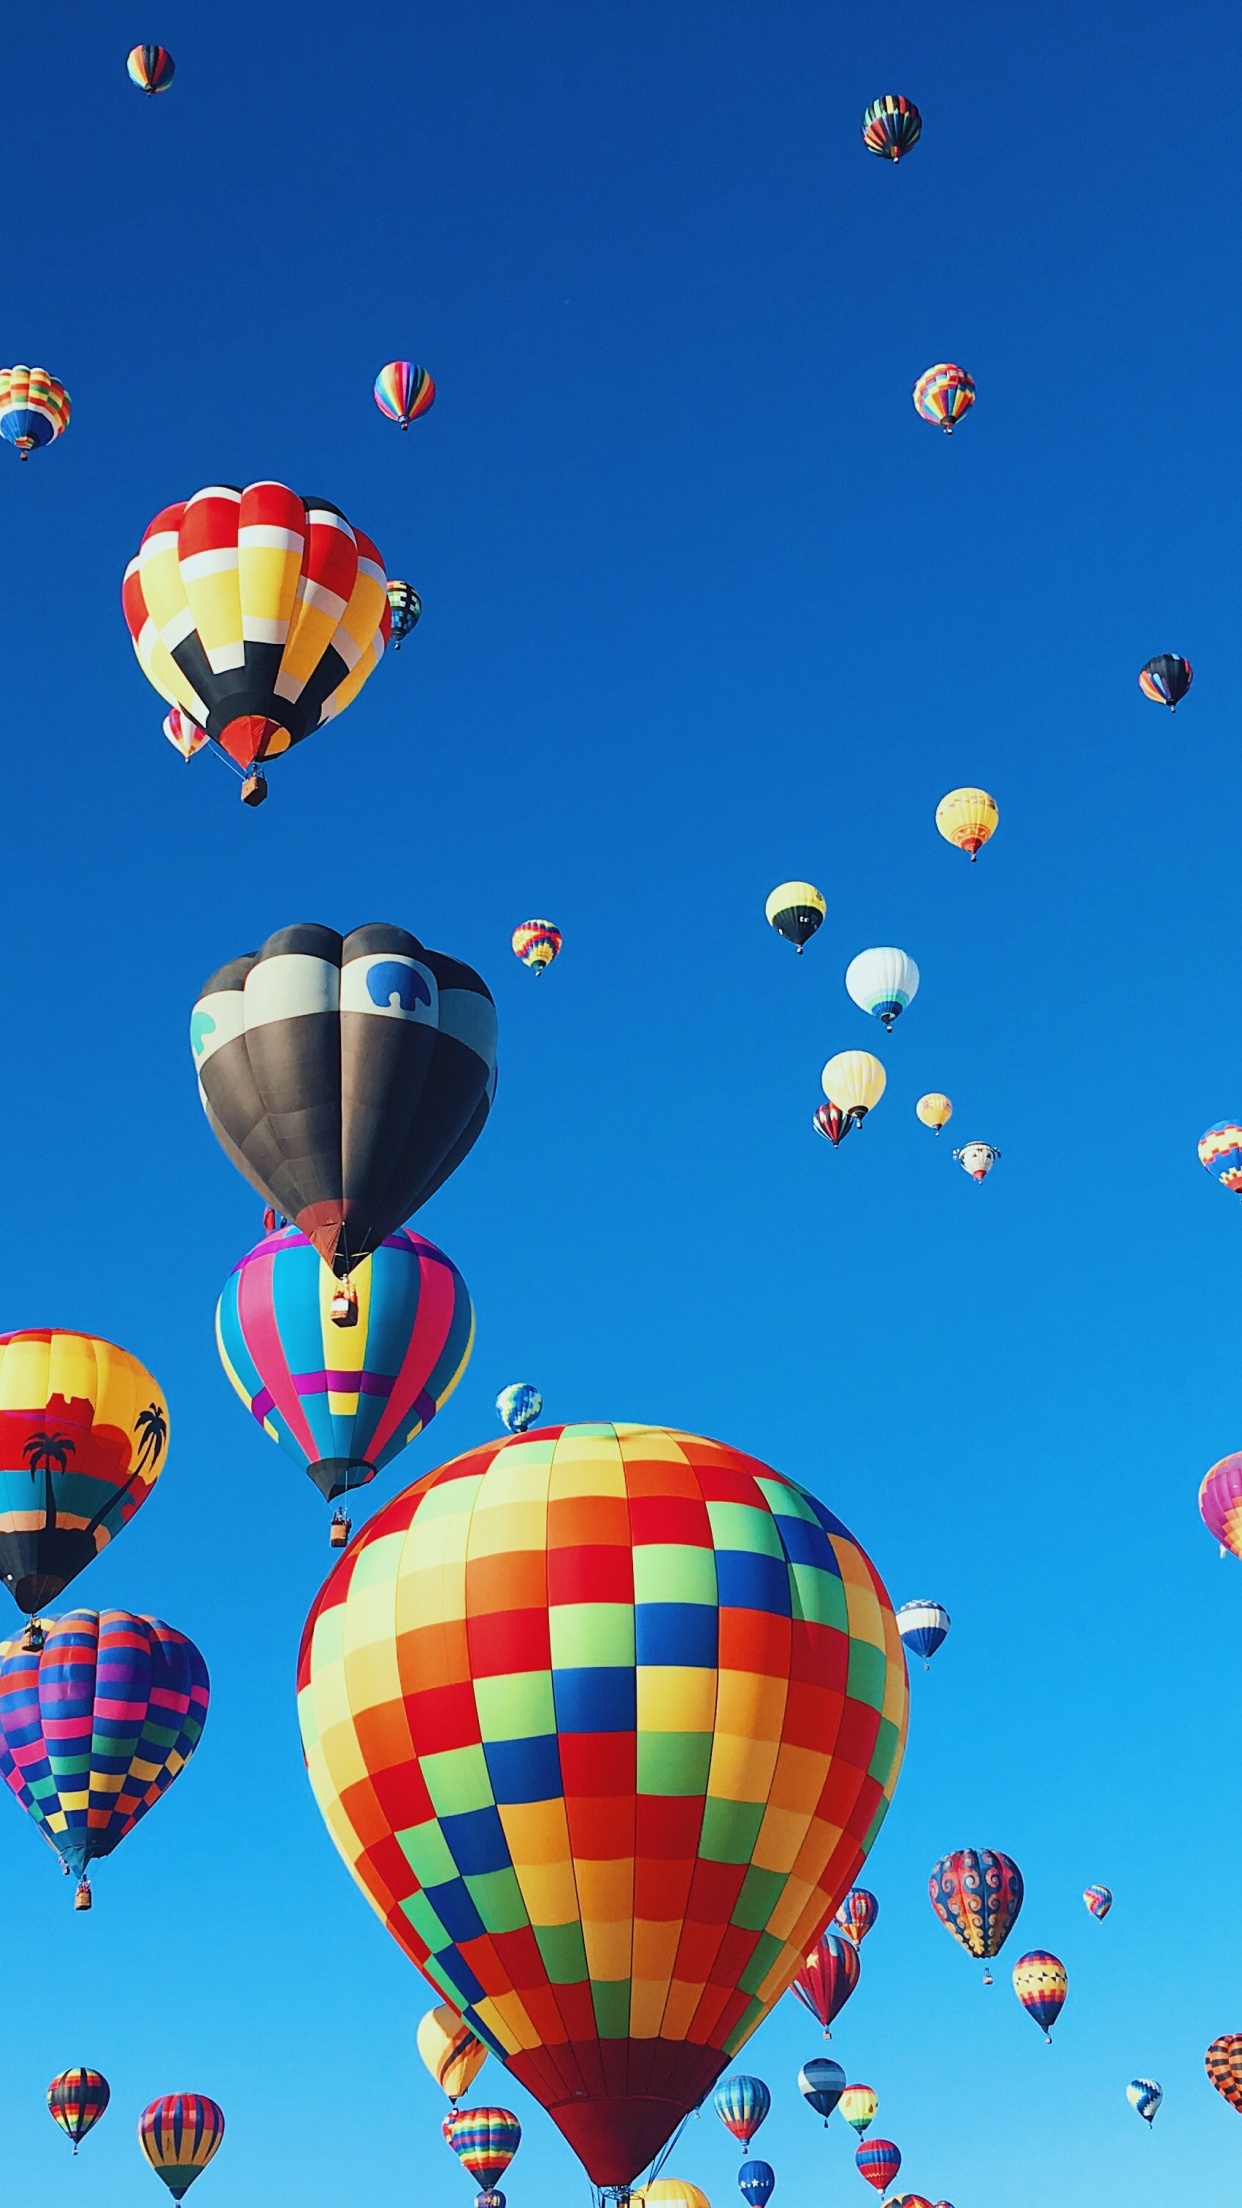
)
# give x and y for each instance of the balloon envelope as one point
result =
(854, 1080)
(1099, 1900)
(882, 982)
(741, 2104)
(828, 1977)
(403, 391)
(670, 2192)
(821, 2082)
(1040, 1982)
(1145, 2095)
(179, 2136)
(943, 394)
(77, 2100)
(151, 68)
(860, 1909)
(561, 1630)
(484, 2140)
(1220, 1502)
(406, 608)
(1223, 2062)
(83, 1440)
(923, 1627)
(967, 818)
(756, 2181)
(96, 1725)
(519, 1406)
(977, 1159)
(890, 126)
(1166, 679)
(536, 943)
(796, 910)
(1220, 1154)
(34, 408)
(344, 1400)
(450, 2051)
(858, 2106)
(934, 1110)
(345, 1076)
(977, 1893)
(878, 2160)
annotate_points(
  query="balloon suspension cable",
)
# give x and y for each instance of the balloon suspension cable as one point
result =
(669, 2148)
(227, 757)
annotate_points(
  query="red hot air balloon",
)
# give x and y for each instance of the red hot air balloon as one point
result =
(828, 1977)
(590, 1712)
(977, 1893)
(878, 2160)
(179, 2136)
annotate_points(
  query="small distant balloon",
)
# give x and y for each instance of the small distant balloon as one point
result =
(34, 408)
(828, 1978)
(878, 2160)
(741, 2104)
(856, 1915)
(934, 1110)
(967, 819)
(977, 1159)
(923, 1627)
(407, 610)
(403, 392)
(756, 2182)
(1220, 1503)
(484, 2140)
(1220, 1154)
(536, 943)
(890, 126)
(452, 2053)
(977, 1894)
(1166, 679)
(821, 2083)
(858, 2105)
(519, 1406)
(1145, 2095)
(853, 1083)
(76, 2100)
(179, 2135)
(151, 68)
(943, 394)
(882, 982)
(1223, 2063)
(796, 910)
(184, 734)
(1040, 1982)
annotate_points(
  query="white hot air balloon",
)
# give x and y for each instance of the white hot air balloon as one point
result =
(1145, 2095)
(882, 982)
(977, 1159)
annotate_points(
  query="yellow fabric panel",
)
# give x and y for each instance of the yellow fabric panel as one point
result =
(159, 568)
(675, 1698)
(267, 582)
(647, 1999)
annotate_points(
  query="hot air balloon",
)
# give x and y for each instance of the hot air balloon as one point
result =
(827, 1978)
(184, 734)
(1040, 1983)
(1145, 2095)
(669, 2192)
(345, 1076)
(450, 2051)
(821, 2083)
(151, 68)
(858, 2106)
(977, 1159)
(1098, 1899)
(77, 2100)
(934, 1110)
(484, 2140)
(1223, 2062)
(923, 1626)
(890, 126)
(943, 394)
(403, 392)
(34, 408)
(796, 910)
(536, 943)
(574, 1674)
(741, 2104)
(860, 1909)
(1220, 1503)
(977, 1893)
(1166, 679)
(1220, 1154)
(259, 613)
(853, 1082)
(179, 2136)
(882, 982)
(83, 1435)
(519, 1406)
(344, 1395)
(406, 608)
(95, 1725)
(756, 2182)
(878, 2160)
(967, 819)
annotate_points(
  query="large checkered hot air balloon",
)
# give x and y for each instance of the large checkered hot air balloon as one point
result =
(603, 1720)
(95, 1725)
(346, 1076)
(259, 613)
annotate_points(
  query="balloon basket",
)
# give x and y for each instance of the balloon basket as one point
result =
(82, 1897)
(34, 1637)
(254, 789)
(340, 1529)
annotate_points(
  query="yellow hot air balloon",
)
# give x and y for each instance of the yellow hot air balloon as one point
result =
(670, 2192)
(934, 1110)
(854, 1080)
(795, 910)
(967, 819)
(450, 2051)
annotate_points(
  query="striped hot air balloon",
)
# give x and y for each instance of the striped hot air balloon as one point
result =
(77, 2100)
(821, 2082)
(563, 1629)
(1098, 1899)
(828, 1977)
(923, 1627)
(1041, 1984)
(450, 2050)
(403, 392)
(34, 408)
(943, 394)
(1220, 1154)
(151, 68)
(860, 1910)
(179, 2135)
(1223, 2062)
(878, 2160)
(536, 943)
(484, 2140)
(890, 126)
(259, 613)
(518, 1406)
(858, 2105)
(1220, 1503)
(1145, 2096)
(741, 2104)
(1166, 679)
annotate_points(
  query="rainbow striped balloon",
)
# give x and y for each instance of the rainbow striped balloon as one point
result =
(151, 68)
(1041, 1984)
(484, 2140)
(403, 392)
(179, 2135)
(34, 408)
(943, 394)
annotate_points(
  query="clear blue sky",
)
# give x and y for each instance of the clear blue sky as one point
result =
(706, 606)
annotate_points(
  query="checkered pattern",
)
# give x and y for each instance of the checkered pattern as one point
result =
(94, 1728)
(604, 1720)
(178, 2135)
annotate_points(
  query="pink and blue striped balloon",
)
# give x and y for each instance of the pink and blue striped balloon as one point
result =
(403, 392)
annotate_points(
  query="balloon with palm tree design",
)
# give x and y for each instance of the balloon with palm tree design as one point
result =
(83, 1437)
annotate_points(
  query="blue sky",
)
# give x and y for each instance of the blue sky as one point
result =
(706, 606)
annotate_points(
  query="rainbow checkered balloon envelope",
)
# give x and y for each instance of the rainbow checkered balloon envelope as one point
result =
(604, 1719)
